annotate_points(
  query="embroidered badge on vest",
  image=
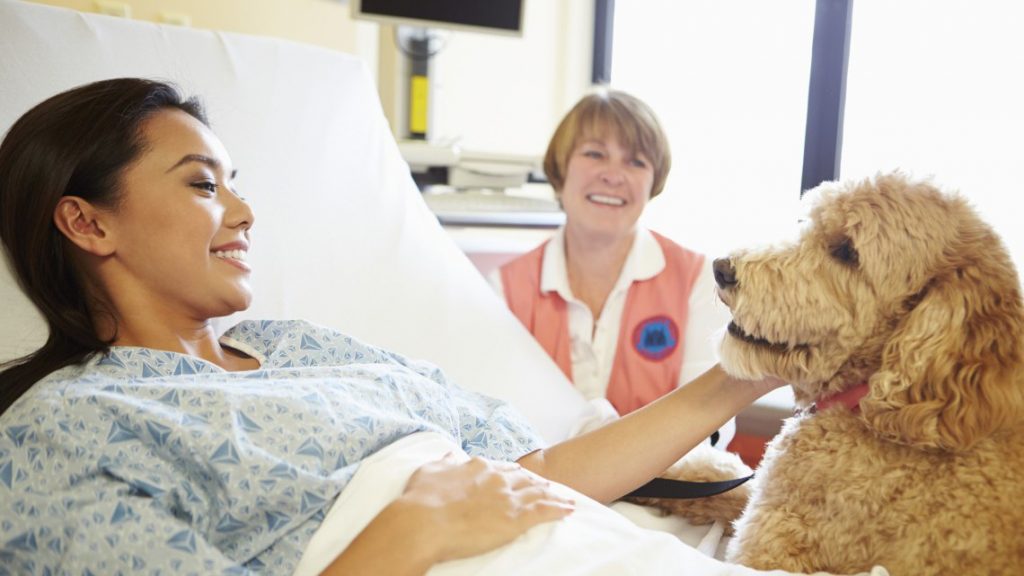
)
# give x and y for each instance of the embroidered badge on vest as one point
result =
(656, 337)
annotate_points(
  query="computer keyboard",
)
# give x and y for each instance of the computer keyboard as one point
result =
(488, 208)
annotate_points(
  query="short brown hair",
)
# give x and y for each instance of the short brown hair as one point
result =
(627, 117)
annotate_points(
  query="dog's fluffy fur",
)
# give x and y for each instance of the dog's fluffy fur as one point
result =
(898, 285)
(706, 464)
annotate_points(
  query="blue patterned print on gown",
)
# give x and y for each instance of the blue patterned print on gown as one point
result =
(144, 461)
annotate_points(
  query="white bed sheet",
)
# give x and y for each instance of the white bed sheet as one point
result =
(593, 541)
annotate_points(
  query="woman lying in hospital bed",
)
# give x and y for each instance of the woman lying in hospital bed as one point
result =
(138, 440)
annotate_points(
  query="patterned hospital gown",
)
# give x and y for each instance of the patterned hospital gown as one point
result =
(151, 462)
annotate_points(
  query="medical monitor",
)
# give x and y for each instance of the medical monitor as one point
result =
(487, 16)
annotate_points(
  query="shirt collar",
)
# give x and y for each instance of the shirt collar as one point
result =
(645, 260)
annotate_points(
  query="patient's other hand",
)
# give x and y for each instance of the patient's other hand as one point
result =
(765, 384)
(472, 507)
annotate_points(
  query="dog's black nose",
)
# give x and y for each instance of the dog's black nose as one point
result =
(725, 274)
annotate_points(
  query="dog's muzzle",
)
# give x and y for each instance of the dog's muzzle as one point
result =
(725, 274)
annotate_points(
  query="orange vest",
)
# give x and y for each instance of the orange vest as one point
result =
(649, 355)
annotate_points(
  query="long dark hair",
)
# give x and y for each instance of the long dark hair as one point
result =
(76, 143)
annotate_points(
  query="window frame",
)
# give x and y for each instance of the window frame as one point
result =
(830, 55)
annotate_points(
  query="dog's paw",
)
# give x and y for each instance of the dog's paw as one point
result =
(706, 464)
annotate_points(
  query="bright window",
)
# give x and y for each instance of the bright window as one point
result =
(729, 82)
(935, 87)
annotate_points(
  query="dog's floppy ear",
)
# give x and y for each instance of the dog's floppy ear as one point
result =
(951, 373)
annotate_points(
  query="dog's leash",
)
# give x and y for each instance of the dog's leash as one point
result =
(685, 489)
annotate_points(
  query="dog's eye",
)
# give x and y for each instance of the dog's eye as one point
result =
(845, 252)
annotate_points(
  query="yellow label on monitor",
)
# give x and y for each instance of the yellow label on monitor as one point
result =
(418, 92)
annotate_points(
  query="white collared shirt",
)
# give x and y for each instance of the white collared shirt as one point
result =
(594, 347)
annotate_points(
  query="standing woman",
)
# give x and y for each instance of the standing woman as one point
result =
(615, 305)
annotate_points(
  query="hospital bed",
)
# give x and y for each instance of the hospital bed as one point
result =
(342, 238)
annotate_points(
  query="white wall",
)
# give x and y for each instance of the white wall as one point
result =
(499, 93)
(321, 22)
(494, 93)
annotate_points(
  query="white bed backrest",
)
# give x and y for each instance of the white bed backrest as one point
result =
(341, 236)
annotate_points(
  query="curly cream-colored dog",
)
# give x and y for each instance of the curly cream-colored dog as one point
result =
(897, 318)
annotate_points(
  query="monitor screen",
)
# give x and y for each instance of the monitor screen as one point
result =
(490, 16)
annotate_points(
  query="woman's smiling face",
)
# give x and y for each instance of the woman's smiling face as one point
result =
(181, 232)
(606, 185)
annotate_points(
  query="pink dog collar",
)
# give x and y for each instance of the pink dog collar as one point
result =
(849, 398)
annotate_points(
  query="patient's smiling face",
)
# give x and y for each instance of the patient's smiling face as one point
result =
(180, 231)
